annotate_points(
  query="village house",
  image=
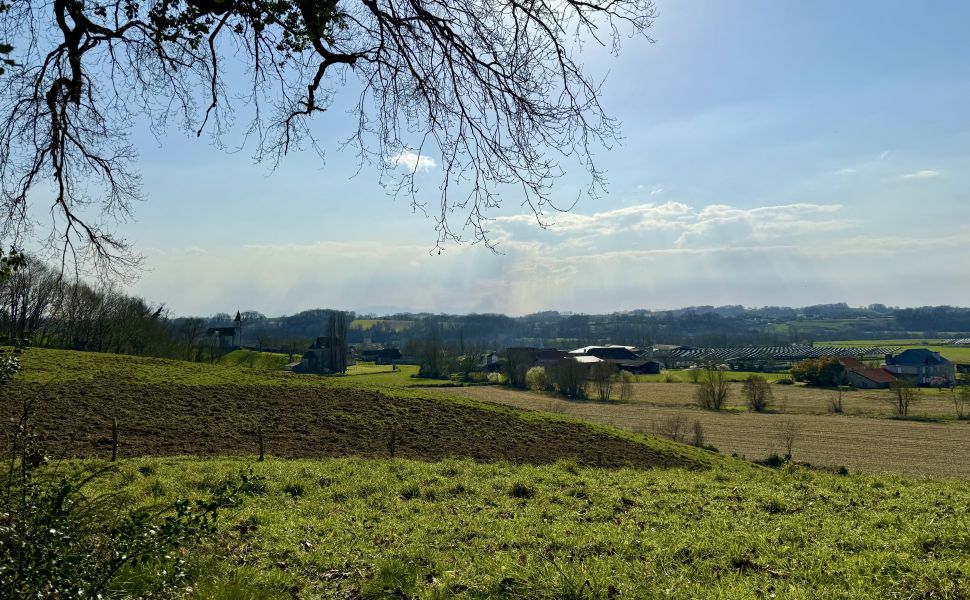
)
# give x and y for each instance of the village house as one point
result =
(869, 378)
(920, 366)
(326, 355)
(640, 367)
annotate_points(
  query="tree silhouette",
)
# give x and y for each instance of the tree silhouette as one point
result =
(492, 88)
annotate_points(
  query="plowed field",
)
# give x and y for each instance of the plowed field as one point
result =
(74, 419)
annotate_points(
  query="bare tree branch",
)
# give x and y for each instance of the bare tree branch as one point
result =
(492, 88)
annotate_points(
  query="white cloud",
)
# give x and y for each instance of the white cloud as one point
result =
(923, 174)
(412, 161)
(670, 225)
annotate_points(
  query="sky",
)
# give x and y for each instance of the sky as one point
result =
(773, 153)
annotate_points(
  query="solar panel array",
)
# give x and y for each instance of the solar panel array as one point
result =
(956, 342)
(781, 353)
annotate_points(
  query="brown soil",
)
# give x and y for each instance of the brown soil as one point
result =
(74, 419)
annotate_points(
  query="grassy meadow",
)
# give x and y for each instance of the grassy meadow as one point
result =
(352, 528)
(478, 497)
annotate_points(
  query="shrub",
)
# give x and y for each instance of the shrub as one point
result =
(785, 381)
(694, 374)
(757, 392)
(625, 379)
(61, 538)
(712, 392)
(537, 380)
(827, 371)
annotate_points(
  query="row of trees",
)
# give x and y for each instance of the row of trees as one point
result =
(40, 303)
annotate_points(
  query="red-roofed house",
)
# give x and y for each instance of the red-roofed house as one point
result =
(869, 379)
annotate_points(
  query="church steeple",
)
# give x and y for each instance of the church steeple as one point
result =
(237, 334)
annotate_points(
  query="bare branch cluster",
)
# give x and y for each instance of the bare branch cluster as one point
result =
(493, 87)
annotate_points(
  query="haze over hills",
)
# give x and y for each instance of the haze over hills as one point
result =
(698, 325)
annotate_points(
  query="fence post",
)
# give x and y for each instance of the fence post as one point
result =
(114, 439)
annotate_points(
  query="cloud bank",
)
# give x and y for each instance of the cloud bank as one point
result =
(650, 255)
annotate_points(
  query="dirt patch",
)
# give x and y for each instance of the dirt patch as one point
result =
(74, 419)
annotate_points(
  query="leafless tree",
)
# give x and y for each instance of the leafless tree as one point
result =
(674, 427)
(961, 401)
(602, 376)
(495, 90)
(713, 388)
(757, 392)
(189, 332)
(570, 377)
(789, 431)
(904, 394)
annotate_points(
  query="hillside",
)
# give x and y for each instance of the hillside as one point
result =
(368, 529)
(501, 503)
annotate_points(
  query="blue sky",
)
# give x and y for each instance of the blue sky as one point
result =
(773, 153)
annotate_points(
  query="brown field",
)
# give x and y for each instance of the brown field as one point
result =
(864, 443)
(74, 419)
(798, 399)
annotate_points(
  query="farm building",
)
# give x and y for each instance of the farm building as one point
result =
(491, 362)
(640, 367)
(921, 367)
(869, 379)
(326, 355)
(383, 356)
(549, 356)
(608, 352)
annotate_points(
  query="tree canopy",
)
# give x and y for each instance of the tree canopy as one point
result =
(495, 88)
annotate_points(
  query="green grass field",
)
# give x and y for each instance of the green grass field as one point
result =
(250, 359)
(242, 367)
(348, 526)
